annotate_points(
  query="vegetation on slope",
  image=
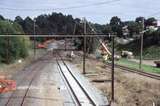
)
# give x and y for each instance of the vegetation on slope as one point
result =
(15, 47)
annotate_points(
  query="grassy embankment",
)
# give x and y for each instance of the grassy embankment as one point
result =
(135, 65)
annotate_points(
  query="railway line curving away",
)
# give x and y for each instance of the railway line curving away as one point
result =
(50, 81)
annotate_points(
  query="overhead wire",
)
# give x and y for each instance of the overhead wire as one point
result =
(63, 8)
(70, 7)
(154, 14)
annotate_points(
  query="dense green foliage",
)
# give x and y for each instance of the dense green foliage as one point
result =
(151, 45)
(15, 47)
(51, 24)
(56, 23)
(9, 27)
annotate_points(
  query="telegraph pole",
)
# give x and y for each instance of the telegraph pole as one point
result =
(84, 47)
(141, 49)
(7, 47)
(65, 38)
(34, 29)
(112, 74)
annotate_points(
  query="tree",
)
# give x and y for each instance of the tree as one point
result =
(19, 20)
(55, 23)
(115, 21)
(151, 21)
(18, 46)
(139, 19)
(116, 25)
(28, 26)
(107, 29)
(42, 25)
(134, 27)
(1, 17)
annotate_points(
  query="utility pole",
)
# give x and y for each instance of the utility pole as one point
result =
(112, 74)
(34, 29)
(65, 44)
(84, 46)
(8, 57)
(141, 49)
(7, 47)
(65, 38)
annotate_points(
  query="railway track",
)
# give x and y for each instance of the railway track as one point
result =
(78, 93)
(30, 74)
(140, 72)
(30, 83)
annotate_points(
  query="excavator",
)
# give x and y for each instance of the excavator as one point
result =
(105, 52)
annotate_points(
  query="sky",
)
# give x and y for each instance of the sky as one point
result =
(100, 13)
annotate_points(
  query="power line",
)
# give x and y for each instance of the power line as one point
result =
(154, 14)
(65, 8)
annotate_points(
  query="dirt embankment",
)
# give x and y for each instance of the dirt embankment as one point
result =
(130, 89)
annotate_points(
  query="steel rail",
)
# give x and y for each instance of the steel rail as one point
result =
(58, 36)
(140, 72)
(30, 83)
(85, 92)
(70, 88)
(10, 97)
(34, 76)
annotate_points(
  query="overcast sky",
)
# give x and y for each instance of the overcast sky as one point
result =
(125, 9)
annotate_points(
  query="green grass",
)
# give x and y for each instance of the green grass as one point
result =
(135, 65)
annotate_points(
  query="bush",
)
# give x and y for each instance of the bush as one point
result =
(15, 47)
(151, 49)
